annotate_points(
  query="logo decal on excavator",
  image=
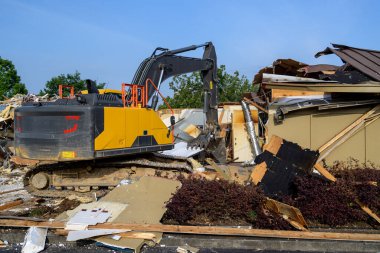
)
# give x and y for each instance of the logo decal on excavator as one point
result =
(75, 127)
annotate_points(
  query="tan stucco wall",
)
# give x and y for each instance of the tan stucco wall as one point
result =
(313, 128)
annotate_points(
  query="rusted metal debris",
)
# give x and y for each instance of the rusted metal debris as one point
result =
(280, 67)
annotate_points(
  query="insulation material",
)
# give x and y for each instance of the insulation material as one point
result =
(34, 240)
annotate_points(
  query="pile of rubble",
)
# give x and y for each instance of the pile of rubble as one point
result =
(274, 183)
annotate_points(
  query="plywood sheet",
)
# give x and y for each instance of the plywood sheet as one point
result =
(241, 146)
(146, 204)
(278, 93)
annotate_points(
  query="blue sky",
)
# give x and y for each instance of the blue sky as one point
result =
(106, 40)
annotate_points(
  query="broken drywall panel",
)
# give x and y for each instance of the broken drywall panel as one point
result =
(34, 240)
(180, 150)
(134, 245)
(85, 234)
(113, 208)
(146, 200)
(89, 217)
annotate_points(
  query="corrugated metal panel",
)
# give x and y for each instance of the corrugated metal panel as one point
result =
(365, 60)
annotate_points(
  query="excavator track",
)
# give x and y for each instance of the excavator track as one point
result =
(91, 179)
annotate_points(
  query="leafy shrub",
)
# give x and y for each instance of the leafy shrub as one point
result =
(326, 202)
(220, 202)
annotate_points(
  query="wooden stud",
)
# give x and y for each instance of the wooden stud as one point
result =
(14, 190)
(368, 211)
(255, 105)
(11, 204)
(206, 230)
(319, 167)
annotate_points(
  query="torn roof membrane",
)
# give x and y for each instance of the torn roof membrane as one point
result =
(365, 60)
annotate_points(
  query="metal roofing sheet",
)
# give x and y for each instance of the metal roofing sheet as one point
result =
(369, 87)
(365, 60)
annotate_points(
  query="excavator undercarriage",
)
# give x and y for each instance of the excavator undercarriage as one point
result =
(84, 178)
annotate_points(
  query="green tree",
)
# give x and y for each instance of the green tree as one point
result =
(10, 82)
(51, 86)
(188, 89)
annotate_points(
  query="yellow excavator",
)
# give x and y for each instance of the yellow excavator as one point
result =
(81, 141)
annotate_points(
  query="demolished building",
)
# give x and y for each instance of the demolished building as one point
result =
(314, 103)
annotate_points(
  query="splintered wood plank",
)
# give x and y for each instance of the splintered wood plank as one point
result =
(134, 235)
(279, 93)
(14, 190)
(258, 173)
(207, 230)
(192, 130)
(368, 211)
(11, 204)
(255, 105)
(274, 144)
(324, 172)
(289, 213)
(217, 168)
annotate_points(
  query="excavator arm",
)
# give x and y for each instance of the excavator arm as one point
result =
(164, 63)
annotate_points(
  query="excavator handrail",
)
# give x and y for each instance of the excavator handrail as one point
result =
(163, 98)
(62, 86)
(134, 99)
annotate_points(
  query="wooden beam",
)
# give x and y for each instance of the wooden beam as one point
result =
(217, 168)
(206, 230)
(11, 204)
(14, 190)
(255, 105)
(133, 235)
(319, 167)
(348, 129)
(368, 211)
